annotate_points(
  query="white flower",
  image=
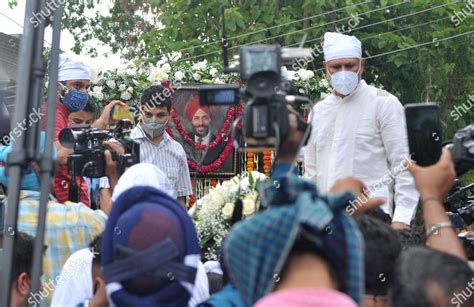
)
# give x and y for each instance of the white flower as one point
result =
(323, 83)
(97, 89)
(227, 210)
(122, 87)
(196, 76)
(305, 74)
(291, 75)
(258, 176)
(110, 83)
(166, 67)
(131, 71)
(200, 65)
(122, 71)
(175, 56)
(248, 206)
(125, 95)
(130, 89)
(99, 96)
(157, 75)
(218, 81)
(161, 62)
(213, 72)
(179, 75)
(301, 90)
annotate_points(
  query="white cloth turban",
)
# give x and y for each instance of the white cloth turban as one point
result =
(340, 46)
(70, 69)
(143, 174)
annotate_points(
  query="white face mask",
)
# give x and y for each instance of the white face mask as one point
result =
(345, 82)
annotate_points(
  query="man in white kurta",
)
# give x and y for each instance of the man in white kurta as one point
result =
(360, 131)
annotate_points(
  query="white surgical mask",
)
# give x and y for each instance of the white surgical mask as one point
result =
(345, 82)
(154, 128)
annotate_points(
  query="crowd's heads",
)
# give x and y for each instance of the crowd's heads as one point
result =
(426, 277)
(410, 237)
(23, 261)
(156, 96)
(257, 249)
(150, 250)
(382, 249)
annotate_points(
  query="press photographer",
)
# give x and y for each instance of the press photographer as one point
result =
(89, 145)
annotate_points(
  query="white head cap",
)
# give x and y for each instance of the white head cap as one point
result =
(143, 174)
(70, 69)
(340, 46)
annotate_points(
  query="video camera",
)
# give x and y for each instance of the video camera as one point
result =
(266, 93)
(462, 149)
(88, 159)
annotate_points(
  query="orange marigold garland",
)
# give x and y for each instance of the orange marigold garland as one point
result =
(250, 161)
(267, 162)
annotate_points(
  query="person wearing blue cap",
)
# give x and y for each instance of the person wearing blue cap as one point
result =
(150, 250)
(69, 226)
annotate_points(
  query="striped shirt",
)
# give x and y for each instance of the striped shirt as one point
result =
(169, 156)
(69, 227)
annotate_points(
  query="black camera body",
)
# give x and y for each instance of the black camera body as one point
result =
(88, 159)
(265, 91)
(462, 149)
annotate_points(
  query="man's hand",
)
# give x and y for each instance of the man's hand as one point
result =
(106, 116)
(289, 148)
(354, 185)
(111, 165)
(434, 182)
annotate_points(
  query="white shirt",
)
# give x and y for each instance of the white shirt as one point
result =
(170, 158)
(363, 135)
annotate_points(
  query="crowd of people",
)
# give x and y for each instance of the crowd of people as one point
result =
(338, 236)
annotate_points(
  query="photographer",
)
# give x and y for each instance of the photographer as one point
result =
(70, 226)
(73, 83)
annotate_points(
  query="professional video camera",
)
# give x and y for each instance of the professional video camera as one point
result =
(265, 116)
(88, 158)
(460, 203)
(462, 149)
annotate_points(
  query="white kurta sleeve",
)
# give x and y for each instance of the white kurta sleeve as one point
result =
(392, 125)
(309, 155)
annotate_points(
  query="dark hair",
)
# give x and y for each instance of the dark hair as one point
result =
(382, 249)
(90, 106)
(419, 271)
(95, 247)
(379, 214)
(410, 237)
(22, 255)
(156, 96)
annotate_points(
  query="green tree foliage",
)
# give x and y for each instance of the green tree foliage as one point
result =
(411, 46)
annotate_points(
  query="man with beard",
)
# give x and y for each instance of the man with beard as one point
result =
(200, 119)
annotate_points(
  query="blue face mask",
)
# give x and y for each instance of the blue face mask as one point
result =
(74, 100)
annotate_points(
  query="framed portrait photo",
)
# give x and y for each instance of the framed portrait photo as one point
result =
(205, 133)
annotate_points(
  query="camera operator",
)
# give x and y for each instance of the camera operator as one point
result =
(70, 226)
(73, 82)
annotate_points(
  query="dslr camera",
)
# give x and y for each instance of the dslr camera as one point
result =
(265, 92)
(88, 159)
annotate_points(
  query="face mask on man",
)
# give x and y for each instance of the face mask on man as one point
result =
(73, 100)
(345, 82)
(154, 128)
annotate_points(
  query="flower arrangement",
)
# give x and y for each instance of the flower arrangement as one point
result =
(213, 212)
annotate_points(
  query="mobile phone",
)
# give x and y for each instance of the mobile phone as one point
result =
(119, 112)
(424, 132)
